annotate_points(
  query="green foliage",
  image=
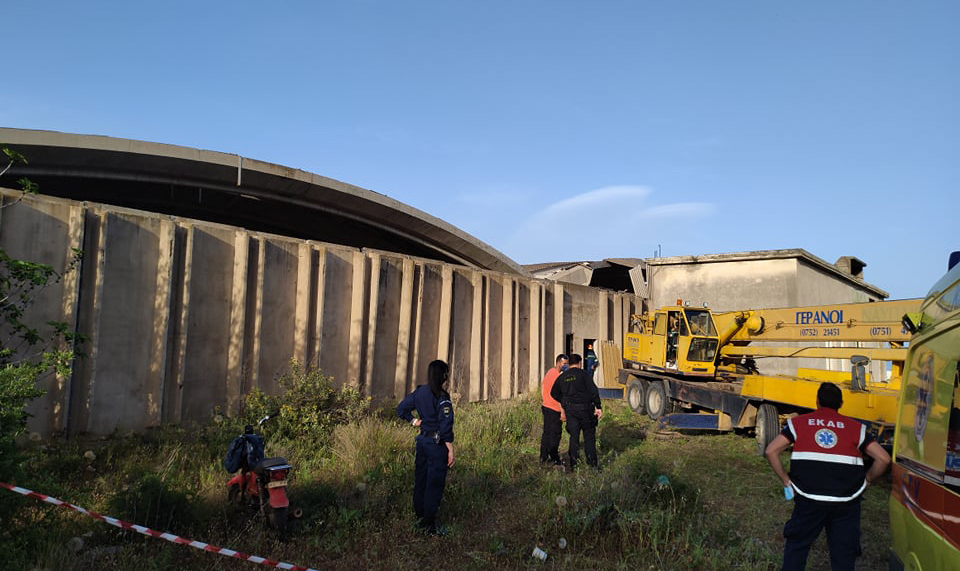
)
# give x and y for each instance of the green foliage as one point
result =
(308, 403)
(152, 502)
(668, 502)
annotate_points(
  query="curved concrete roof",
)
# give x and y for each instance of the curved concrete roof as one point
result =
(239, 191)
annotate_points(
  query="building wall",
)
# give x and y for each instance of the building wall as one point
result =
(724, 286)
(183, 317)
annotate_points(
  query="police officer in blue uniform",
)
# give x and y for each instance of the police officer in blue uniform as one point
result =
(434, 444)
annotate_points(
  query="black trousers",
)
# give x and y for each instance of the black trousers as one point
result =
(842, 522)
(581, 418)
(552, 431)
(430, 476)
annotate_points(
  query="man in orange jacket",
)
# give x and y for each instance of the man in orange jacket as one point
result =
(552, 422)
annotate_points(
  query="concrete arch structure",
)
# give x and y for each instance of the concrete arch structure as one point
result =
(185, 315)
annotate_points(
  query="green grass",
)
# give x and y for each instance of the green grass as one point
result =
(720, 507)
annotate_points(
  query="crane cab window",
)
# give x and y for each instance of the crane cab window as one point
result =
(701, 323)
(676, 324)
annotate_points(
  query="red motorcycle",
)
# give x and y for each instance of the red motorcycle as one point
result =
(261, 484)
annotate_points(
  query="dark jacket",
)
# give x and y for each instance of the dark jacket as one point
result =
(575, 387)
(436, 413)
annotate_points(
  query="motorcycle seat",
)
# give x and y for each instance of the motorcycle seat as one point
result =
(261, 468)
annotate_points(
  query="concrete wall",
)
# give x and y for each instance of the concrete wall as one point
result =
(183, 317)
(725, 286)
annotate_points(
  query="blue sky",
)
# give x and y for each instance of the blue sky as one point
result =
(550, 130)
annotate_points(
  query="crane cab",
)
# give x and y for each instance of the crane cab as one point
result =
(675, 339)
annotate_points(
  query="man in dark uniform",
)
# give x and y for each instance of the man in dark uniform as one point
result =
(590, 360)
(828, 477)
(580, 401)
(434, 443)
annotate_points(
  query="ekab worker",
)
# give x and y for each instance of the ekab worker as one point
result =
(434, 443)
(827, 474)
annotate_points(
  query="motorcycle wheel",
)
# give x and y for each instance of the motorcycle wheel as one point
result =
(278, 519)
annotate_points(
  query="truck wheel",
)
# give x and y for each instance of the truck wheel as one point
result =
(768, 426)
(656, 400)
(636, 396)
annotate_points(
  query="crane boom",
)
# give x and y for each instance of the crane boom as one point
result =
(871, 321)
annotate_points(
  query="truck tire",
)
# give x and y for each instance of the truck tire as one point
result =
(656, 400)
(636, 396)
(768, 426)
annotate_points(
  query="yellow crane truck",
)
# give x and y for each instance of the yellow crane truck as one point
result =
(689, 367)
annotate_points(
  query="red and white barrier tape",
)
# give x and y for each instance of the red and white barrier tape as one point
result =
(152, 533)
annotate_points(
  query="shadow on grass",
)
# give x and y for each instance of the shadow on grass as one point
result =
(621, 436)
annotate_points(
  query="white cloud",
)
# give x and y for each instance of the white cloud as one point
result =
(605, 222)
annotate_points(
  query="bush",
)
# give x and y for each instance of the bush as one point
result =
(308, 404)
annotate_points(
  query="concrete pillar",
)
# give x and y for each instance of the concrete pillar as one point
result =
(446, 315)
(91, 274)
(179, 321)
(432, 330)
(358, 321)
(303, 320)
(236, 381)
(407, 327)
(557, 318)
(318, 305)
(209, 342)
(420, 331)
(534, 335)
(277, 299)
(603, 329)
(508, 341)
(477, 381)
(340, 279)
(131, 330)
(60, 417)
(466, 332)
(386, 286)
(492, 345)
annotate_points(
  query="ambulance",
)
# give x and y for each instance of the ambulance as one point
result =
(925, 493)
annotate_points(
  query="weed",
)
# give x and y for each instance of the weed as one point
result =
(686, 502)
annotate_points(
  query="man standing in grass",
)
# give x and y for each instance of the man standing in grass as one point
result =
(552, 421)
(828, 475)
(580, 401)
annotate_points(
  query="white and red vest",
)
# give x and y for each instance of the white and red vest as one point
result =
(827, 462)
